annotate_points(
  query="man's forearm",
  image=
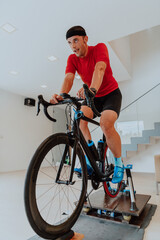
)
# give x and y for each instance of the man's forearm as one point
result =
(67, 83)
(98, 74)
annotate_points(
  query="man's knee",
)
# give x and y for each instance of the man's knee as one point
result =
(87, 111)
(107, 122)
(107, 127)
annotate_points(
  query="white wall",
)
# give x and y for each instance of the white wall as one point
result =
(145, 60)
(21, 131)
(122, 49)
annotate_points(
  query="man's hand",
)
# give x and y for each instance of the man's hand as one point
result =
(56, 98)
(93, 91)
(80, 93)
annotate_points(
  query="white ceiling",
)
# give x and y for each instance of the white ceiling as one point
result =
(40, 32)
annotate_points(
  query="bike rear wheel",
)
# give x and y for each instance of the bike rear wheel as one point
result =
(52, 206)
(111, 189)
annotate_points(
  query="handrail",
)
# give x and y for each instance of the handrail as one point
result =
(140, 97)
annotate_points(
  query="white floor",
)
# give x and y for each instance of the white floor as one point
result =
(13, 221)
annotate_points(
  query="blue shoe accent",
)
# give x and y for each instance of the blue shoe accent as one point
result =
(89, 168)
(79, 170)
(118, 174)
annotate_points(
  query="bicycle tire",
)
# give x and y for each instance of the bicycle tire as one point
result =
(110, 188)
(39, 169)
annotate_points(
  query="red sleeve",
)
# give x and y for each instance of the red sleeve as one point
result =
(70, 68)
(101, 53)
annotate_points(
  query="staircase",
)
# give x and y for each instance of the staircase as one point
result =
(133, 123)
(149, 137)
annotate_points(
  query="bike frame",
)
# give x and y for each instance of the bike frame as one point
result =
(78, 137)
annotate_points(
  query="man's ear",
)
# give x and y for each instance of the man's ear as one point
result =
(86, 39)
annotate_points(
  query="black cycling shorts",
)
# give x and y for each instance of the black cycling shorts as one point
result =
(111, 101)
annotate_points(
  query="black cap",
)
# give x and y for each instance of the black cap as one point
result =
(76, 30)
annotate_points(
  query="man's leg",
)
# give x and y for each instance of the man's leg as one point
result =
(86, 133)
(107, 121)
(84, 124)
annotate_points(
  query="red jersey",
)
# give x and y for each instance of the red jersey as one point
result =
(85, 68)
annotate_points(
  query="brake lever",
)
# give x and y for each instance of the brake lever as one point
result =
(64, 95)
(38, 108)
(40, 97)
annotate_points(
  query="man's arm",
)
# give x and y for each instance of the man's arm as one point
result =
(66, 87)
(67, 83)
(97, 78)
(98, 74)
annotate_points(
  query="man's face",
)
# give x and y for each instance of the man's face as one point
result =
(78, 45)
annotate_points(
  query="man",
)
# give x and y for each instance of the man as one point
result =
(93, 65)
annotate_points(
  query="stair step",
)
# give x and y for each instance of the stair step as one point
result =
(128, 147)
(131, 153)
(140, 140)
(149, 137)
(141, 147)
(157, 125)
(149, 133)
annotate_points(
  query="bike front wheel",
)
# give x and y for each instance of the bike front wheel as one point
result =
(54, 195)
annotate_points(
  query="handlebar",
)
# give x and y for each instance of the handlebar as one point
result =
(45, 105)
(68, 99)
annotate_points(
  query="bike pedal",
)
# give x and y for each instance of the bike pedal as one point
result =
(129, 166)
(79, 175)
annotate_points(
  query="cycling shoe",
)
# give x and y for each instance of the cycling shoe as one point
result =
(118, 174)
(79, 170)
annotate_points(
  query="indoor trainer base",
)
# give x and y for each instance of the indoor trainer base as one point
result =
(94, 225)
(116, 209)
(121, 203)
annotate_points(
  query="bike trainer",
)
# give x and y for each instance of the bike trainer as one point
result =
(117, 209)
(103, 210)
(127, 207)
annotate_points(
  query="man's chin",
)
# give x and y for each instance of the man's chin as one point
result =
(77, 54)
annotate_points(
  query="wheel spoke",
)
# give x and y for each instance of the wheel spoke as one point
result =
(45, 192)
(63, 196)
